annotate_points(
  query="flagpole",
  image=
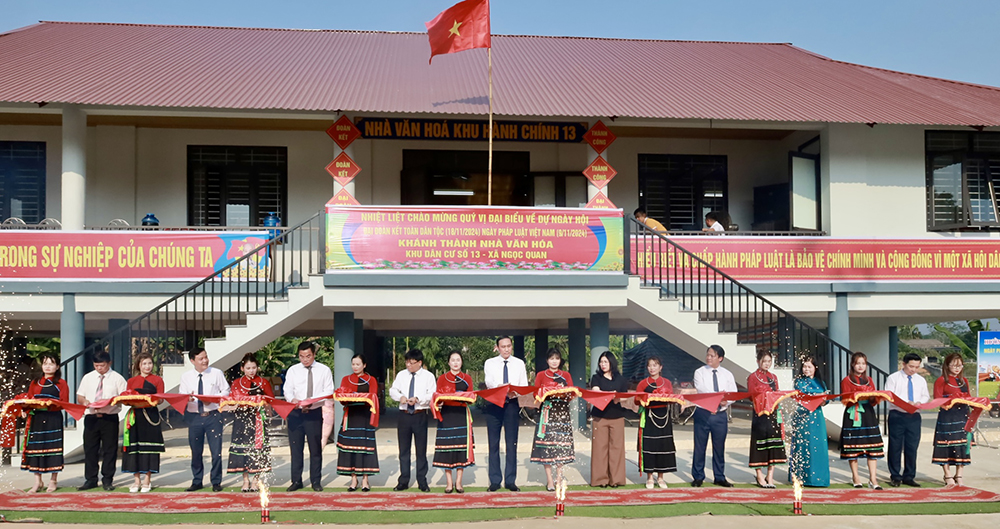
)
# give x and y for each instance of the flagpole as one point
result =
(489, 173)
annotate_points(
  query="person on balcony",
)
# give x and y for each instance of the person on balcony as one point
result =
(653, 224)
(904, 428)
(607, 462)
(553, 440)
(716, 221)
(100, 425)
(860, 436)
(453, 445)
(657, 453)
(43, 445)
(952, 444)
(498, 371)
(203, 418)
(767, 443)
(712, 378)
(143, 443)
(304, 382)
(413, 388)
(357, 450)
(809, 463)
(250, 449)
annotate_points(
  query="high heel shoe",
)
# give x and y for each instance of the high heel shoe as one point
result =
(763, 484)
(661, 483)
(857, 485)
(353, 487)
(650, 483)
(874, 486)
(958, 481)
(460, 490)
(949, 480)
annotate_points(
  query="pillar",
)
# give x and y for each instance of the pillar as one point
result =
(894, 348)
(120, 348)
(578, 366)
(600, 338)
(519, 347)
(344, 333)
(72, 341)
(74, 167)
(541, 348)
(839, 330)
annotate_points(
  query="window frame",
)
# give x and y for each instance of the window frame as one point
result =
(41, 178)
(963, 156)
(241, 153)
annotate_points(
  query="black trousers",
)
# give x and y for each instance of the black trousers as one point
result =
(100, 445)
(508, 419)
(412, 427)
(200, 430)
(904, 437)
(306, 427)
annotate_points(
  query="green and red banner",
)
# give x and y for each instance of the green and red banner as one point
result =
(33, 255)
(473, 239)
(824, 258)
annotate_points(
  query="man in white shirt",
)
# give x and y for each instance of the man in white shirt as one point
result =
(711, 378)
(203, 418)
(498, 371)
(303, 381)
(904, 428)
(413, 388)
(100, 425)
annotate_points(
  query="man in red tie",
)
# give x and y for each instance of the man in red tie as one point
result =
(100, 425)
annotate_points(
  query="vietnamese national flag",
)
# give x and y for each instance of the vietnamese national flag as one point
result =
(463, 26)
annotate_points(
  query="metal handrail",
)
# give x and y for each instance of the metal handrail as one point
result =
(224, 298)
(716, 296)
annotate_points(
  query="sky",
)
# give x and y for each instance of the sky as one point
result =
(953, 40)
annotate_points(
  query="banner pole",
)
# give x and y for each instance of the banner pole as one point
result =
(489, 170)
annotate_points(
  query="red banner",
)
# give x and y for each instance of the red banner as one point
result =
(467, 239)
(128, 255)
(824, 258)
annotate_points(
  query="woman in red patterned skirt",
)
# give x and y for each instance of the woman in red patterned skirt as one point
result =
(767, 444)
(357, 451)
(553, 440)
(860, 436)
(142, 443)
(250, 450)
(453, 445)
(43, 447)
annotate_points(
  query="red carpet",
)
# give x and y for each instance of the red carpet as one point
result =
(182, 502)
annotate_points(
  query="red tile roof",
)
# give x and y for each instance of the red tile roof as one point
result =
(357, 71)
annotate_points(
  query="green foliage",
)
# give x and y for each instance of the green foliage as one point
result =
(963, 339)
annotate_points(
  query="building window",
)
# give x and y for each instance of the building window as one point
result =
(22, 180)
(963, 179)
(236, 186)
(460, 178)
(678, 190)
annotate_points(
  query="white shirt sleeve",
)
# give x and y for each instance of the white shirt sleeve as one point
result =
(396, 391)
(425, 392)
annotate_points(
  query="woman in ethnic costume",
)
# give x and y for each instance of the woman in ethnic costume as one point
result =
(453, 445)
(656, 433)
(553, 440)
(809, 462)
(860, 436)
(356, 446)
(250, 449)
(43, 447)
(767, 444)
(142, 442)
(952, 444)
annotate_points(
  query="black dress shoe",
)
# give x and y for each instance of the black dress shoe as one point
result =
(723, 483)
(216, 488)
(514, 488)
(910, 483)
(494, 487)
(109, 487)
(697, 483)
(400, 487)
(317, 487)
(365, 489)
(194, 487)
(424, 488)
(294, 487)
(895, 483)
(87, 486)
